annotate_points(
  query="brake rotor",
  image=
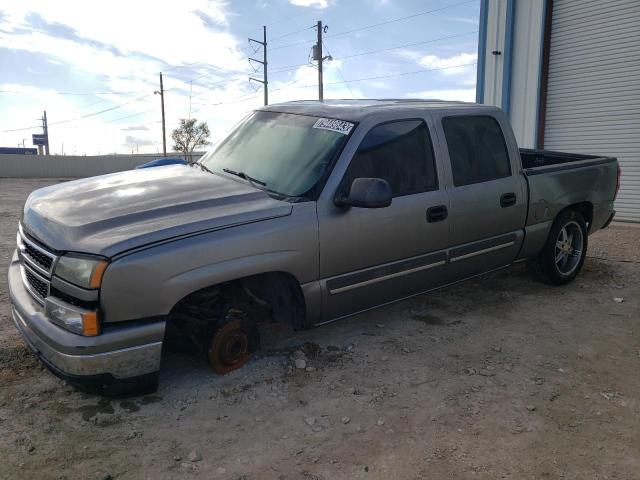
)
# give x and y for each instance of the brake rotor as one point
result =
(229, 347)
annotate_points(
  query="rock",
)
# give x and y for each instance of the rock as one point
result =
(194, 456)
(317, 428)
(486, 373)
(380, 422)
(177, 458)
(310, 421)
(380, 325)
(531, 408)
(221, 470)
(301, 363)
(385, 358)
(345, 420)
(352, 391)
(311, 369)
(618, 299)
(132, 435)
(187, 466)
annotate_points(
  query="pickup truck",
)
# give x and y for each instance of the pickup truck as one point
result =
(306, 213)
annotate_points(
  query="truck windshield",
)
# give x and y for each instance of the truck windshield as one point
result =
(280, 152)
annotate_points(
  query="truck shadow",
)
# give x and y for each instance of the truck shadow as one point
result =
(456, 306)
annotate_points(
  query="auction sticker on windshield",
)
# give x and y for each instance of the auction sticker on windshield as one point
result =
(339, 126)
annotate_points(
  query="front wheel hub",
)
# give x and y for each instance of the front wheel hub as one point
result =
(229, 347)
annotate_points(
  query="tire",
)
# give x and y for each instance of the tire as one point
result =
(564, 252)
(232, 342)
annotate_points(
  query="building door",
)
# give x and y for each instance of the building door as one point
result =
(593, 90)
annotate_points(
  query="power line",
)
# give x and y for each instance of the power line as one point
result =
(340, 72)
(130, 116)
(414, 44)
(17, 92)
(399, 19)
(378, 77)
(387, 22)
(288, 68)
(292, 33)
(84, 116)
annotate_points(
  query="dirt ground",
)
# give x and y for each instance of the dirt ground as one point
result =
(500, 377)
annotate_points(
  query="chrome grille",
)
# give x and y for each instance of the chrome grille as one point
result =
(37, 286)
(36, 264)
(45, 261)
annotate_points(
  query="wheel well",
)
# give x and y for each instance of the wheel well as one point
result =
(278, 292)
(584, 208)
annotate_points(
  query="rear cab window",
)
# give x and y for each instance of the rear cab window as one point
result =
(399, 152)
(477, 149)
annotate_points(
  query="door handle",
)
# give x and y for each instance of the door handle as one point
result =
(437, 213)
(507, 199)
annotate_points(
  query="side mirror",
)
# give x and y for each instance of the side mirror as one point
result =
(367, 193)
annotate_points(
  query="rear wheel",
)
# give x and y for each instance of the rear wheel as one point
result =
(564, 252)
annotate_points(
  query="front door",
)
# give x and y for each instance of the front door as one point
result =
(372, 256)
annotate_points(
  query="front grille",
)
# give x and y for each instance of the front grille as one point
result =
(39, 258)
(36, 263)
(38, 287)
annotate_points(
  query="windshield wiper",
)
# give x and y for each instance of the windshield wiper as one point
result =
(203, 167)
(244, 176)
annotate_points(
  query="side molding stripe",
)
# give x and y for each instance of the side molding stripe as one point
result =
(386, 277)
(480, 252)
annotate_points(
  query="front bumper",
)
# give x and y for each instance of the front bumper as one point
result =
(121, 360)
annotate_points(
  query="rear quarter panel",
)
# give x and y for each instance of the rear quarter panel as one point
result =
(554, 188)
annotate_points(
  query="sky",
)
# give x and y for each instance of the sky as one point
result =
(94, 66)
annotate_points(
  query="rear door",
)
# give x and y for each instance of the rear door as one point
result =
(372, 256)
(487, 192)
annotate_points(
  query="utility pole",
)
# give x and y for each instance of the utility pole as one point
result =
(45, 128)
(317, 55)
(263, 62)
(164, 136)
(319, 58)
(190, 89)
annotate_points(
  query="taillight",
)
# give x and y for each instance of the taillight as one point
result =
(617, 182)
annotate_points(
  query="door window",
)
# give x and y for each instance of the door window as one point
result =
(399, 152)
(477, 149)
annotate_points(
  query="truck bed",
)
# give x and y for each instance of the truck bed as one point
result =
(538, 159)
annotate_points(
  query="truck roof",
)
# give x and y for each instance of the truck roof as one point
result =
(357, 110)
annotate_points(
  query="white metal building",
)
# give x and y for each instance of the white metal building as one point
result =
(567, 73)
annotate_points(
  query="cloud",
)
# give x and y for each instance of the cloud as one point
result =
(310, 3)
(460, 94)
(450, 65)
(131, 140)
(135, 128)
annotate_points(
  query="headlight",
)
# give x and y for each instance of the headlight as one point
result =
(75, 319)
(81, 270)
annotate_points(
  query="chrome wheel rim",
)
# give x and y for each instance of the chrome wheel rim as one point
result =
(569, 245)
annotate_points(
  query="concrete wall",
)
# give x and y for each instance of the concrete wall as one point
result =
(58, 166)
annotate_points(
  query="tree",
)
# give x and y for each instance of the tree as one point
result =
(190, 135)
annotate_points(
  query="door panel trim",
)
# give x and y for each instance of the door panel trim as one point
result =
(388, 271)
(484, 250)
(395, 300)
(483, 246)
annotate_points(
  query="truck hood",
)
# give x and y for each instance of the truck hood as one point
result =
(113, 213)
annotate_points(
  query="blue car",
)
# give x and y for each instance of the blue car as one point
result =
(159, 162)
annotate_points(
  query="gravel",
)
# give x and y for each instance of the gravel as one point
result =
(452, 407)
